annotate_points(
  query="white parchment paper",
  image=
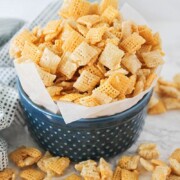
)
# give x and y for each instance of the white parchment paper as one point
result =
(35, 89)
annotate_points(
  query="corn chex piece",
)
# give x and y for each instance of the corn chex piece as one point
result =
(102, 97)
(41, 162)
(129, 162)
(150, 80)
(52, 27)
(139, 87)
(92, 69)
(87, 163)
(7, 174)
(78, 8)
(173, 177)
(117, 174)
(95, 35)
(132, 43)
(105, 169)
(89, 20)
(163, 82)
(158, 108)
(126, 29)
(177, 80)
(32, 174)
(73, 177)
(132, 63)
(144, 49)
(106, 3)
(111, 56)
(94, 8)
(31, 52)
(176, 154)
(83, 54)
(47, 78)
(74, 40)
(161, 173)
(114, 41)
(132, 84)
(89, 101)
(71, 97)
(157, 162)
(25, 156)
(107, 89)
(175, 166)
(120, 82)
(110, 14)
(67, 67)
(49, 61)
(18, 43)
(147, 165)
(169, 91)
(57, 165)
(146, 33)
(128, 175)
(152, 59)
(90, 173)
(54, 90)
(148, 151)
(82, 29)
(86, 81)
(117, 71)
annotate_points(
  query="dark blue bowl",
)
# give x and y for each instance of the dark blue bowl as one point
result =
(85, 138)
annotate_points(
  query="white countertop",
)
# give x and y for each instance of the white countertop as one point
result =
(164, 130)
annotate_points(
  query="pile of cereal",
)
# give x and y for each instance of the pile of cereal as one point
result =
(91, 55)
(168, 96)
(129, 167)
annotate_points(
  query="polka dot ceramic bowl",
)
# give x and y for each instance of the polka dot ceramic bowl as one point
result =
(85, 138)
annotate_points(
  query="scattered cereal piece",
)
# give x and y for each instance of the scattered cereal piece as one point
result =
(111, 56)
(117, 174)
(158, 108)
(147, 165)
(158, 162)
(176, 155)
(105, 169)
(90, 172)
(32, 174)
(171, 103)
(128, 175)
(148, 151)
(57, 165)
(25, 156)
(129, 162)
(177, 80)
(161, 173)
(82, 164)
(7, 174)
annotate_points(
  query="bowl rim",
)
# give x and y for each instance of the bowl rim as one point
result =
(137, 106)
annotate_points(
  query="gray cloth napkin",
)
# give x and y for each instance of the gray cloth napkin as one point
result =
(10, 109)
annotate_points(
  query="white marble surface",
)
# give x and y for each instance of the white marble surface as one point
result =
(164, 129)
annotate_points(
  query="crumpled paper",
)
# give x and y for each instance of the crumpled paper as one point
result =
(34, 87)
